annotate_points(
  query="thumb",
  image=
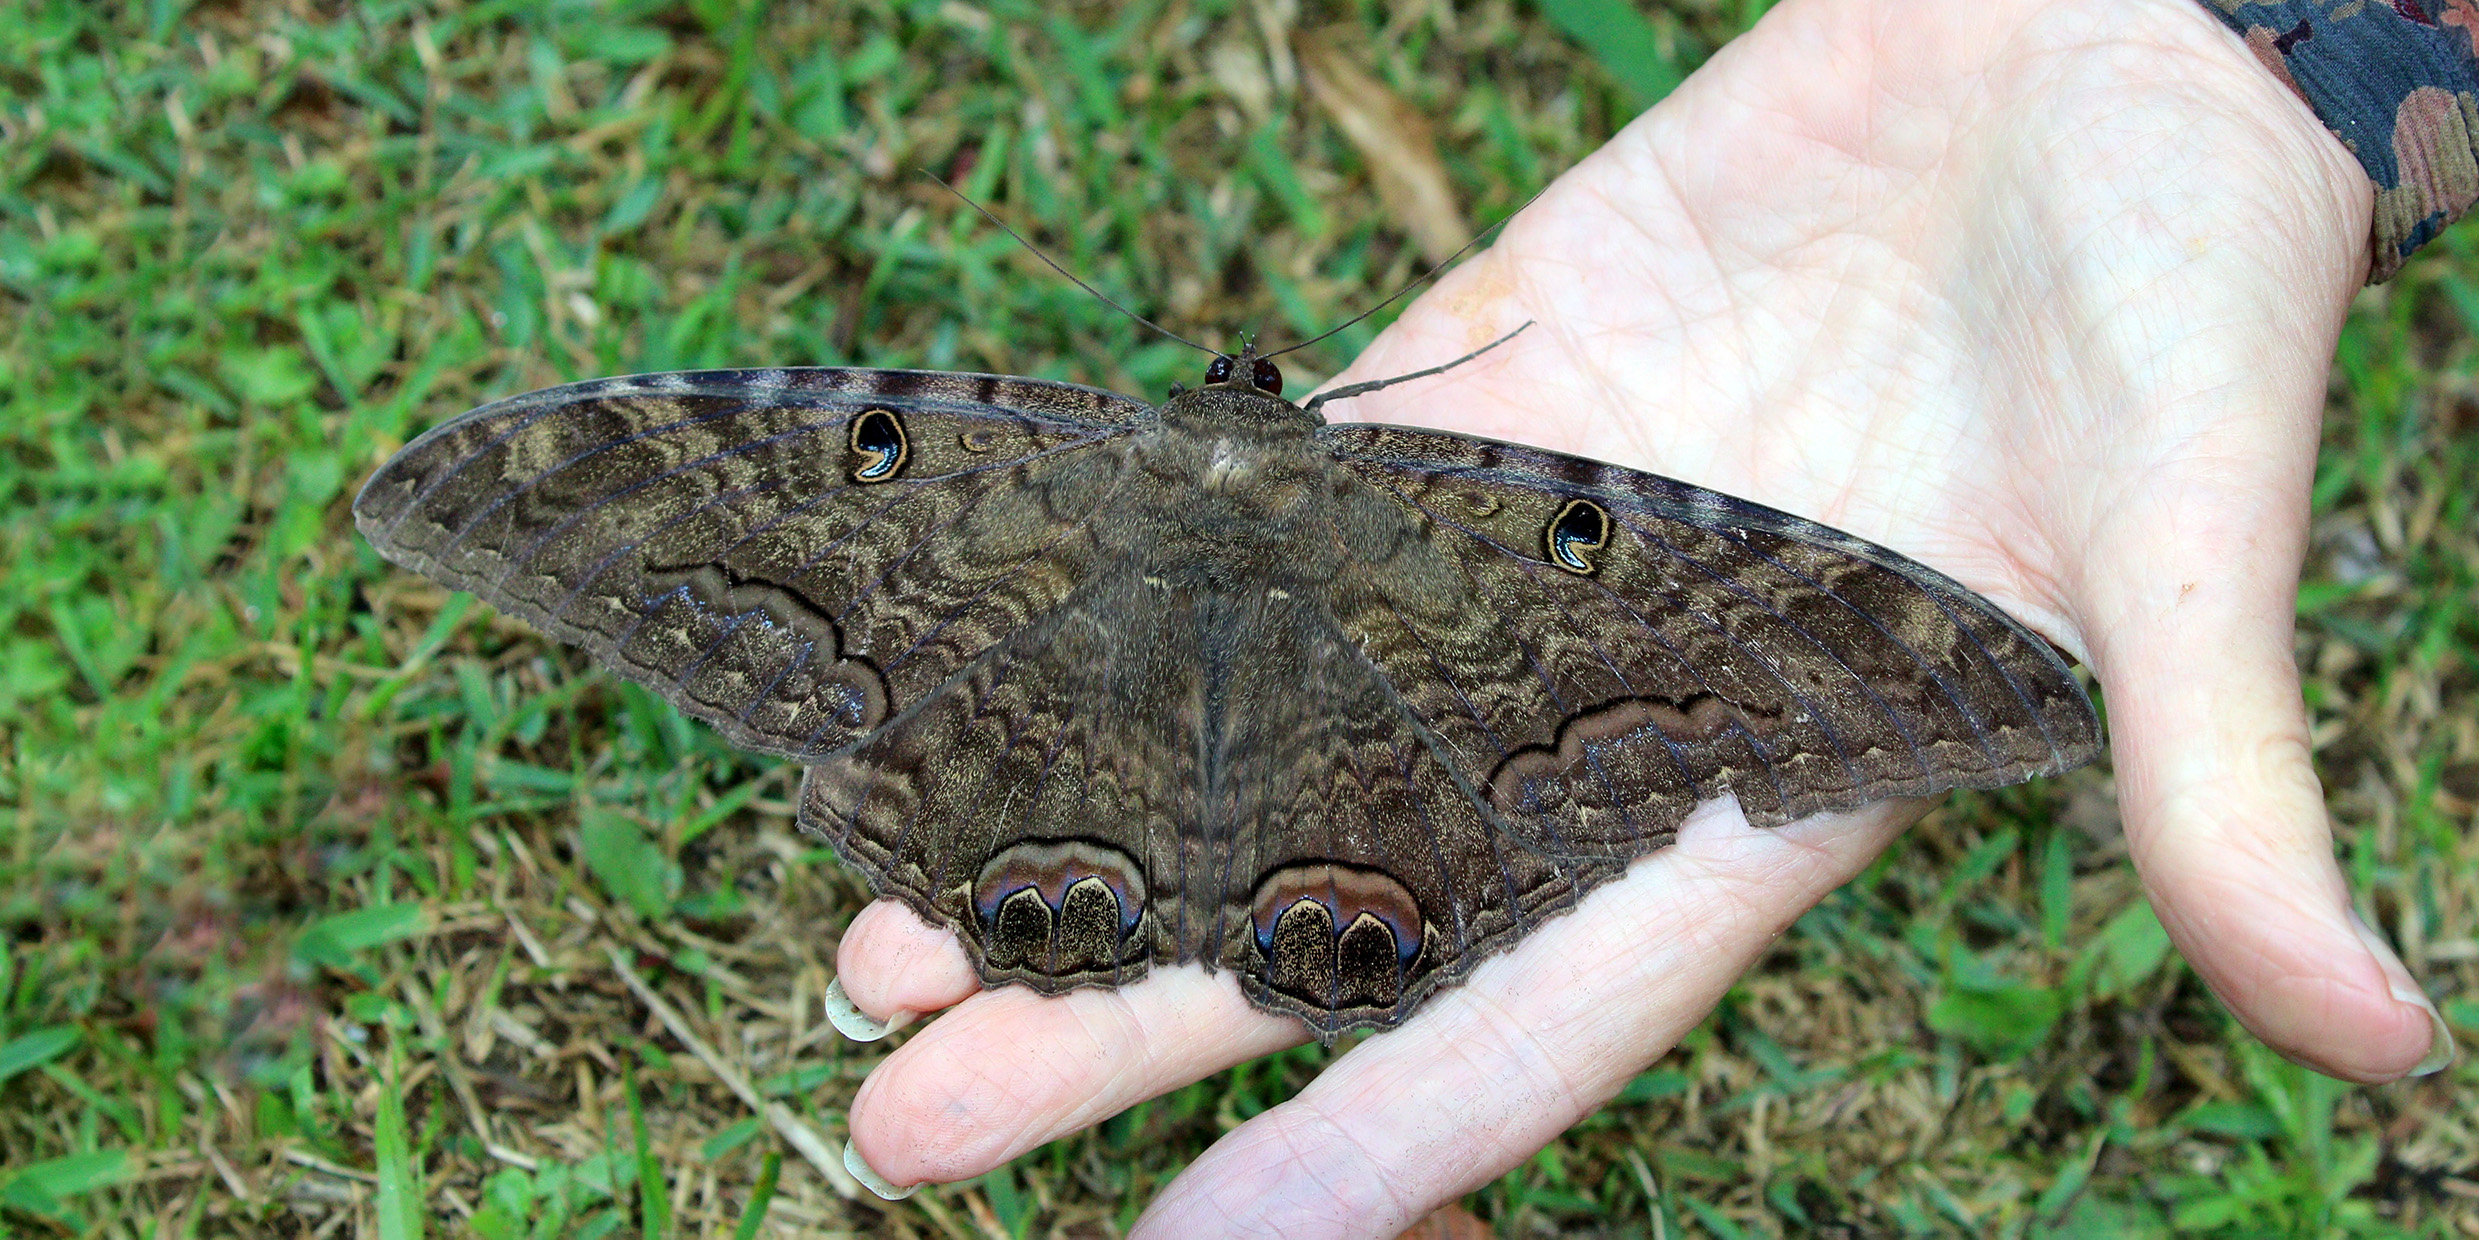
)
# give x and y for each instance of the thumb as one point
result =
(2224, 815)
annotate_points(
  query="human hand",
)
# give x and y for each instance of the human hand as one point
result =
(2040, 292)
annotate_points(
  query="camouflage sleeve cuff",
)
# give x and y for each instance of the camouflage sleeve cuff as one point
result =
(2398, 82)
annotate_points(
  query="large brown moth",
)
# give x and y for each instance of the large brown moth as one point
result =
(1341, 708)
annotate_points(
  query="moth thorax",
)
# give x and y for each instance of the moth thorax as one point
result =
(1232, 466)
(1238, 474)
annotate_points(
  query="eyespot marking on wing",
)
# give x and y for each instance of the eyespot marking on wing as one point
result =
(1337, 935)
(1580, 529)
(878, 446)
(1060, 907)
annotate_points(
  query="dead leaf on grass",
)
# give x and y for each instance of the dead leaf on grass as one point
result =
(1395, 140)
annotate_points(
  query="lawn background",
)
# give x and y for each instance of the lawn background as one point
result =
(322, 889)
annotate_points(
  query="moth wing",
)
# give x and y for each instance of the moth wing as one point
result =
(793, 556)
(1596, 650)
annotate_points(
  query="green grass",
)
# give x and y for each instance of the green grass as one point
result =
(311, 867)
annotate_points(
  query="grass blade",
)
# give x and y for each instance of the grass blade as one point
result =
(1626, 45)
(400, 1182)
(760, 1197)
(37, 1048)
(653, 1195)
(38, 1188)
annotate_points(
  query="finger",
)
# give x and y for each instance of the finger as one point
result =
(1009, 1069)
(1496, 1068)
(893, 966)
(2224, 816)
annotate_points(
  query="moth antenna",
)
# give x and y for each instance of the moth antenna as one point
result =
(1363, 389)
(1418, 280)
(1071, 276)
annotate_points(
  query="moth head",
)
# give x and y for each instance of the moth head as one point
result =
(1257, 372)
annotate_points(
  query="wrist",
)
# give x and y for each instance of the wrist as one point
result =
(2325, 201)
(2242, 66)
(2394, 84)
(2163, 85)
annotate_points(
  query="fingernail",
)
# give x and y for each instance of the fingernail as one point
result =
(870, 1179)
(2399, 983)
(854, 1023)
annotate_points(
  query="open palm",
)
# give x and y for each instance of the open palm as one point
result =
(2039, 292)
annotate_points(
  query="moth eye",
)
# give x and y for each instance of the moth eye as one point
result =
(1219, 371)
(1581, 528)
(878, 442)
(1268, 377)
